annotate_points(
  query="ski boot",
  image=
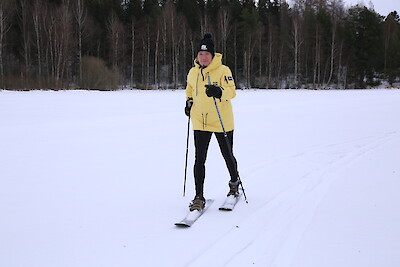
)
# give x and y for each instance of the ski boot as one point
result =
(198, 203)
(233, 189)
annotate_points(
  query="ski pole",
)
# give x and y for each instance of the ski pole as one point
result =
(228, 143)
(187, 152)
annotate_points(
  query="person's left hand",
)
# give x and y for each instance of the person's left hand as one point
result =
(213, 91)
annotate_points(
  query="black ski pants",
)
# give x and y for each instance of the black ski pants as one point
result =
(202, 141)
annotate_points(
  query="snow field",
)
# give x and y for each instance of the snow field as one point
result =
(96, 179)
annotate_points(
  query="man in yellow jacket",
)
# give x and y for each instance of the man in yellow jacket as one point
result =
(209, 79)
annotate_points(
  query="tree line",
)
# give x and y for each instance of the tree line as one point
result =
(150, 44)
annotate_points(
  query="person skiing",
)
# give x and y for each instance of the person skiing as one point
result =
(207, 80)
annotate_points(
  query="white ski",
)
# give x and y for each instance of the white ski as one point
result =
(192, 216)
(230, 202)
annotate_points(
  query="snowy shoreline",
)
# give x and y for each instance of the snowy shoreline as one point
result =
(396, 86)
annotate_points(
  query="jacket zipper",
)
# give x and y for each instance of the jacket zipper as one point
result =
(204, 118)
(197, 84)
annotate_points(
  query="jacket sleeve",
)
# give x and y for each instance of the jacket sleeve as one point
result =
(189, 88)
(228, 85)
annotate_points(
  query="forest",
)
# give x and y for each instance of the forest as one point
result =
(150, 44)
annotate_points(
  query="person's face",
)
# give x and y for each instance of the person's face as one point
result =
(204, 58)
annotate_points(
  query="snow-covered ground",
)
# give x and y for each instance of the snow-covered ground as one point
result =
(93, 179)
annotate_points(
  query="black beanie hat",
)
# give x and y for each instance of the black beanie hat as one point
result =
(206, 44)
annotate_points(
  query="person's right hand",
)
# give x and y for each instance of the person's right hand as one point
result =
(188, 107)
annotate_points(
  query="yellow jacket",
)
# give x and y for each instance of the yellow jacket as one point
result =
(203, 113)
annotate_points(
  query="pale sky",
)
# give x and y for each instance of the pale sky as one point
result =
(383, 7)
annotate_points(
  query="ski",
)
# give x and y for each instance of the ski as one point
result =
(230, 202)
(192, 216)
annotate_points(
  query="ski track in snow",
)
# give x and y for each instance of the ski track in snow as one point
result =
(281, 220)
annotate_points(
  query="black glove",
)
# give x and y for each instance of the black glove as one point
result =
(188, 107)
(213, 91)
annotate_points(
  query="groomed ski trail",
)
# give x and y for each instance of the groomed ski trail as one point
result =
(282, 220)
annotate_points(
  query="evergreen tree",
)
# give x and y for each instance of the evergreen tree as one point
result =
(134, 10)
(190, 10)
(364, 33)
(392, 46)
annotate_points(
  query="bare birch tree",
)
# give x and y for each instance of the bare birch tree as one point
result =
(272, 51)
(224, 26)
(6, 11)
(25, 24)
(115, 38)
(132, 68)
(116, 41)
(156, 54)
(336, 14)
(80, 18)
(39, 12)
(297, 42)
(172, 38)
(60, 42)
(250, 22)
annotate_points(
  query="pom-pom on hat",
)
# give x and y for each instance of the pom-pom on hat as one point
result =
(206, 44)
